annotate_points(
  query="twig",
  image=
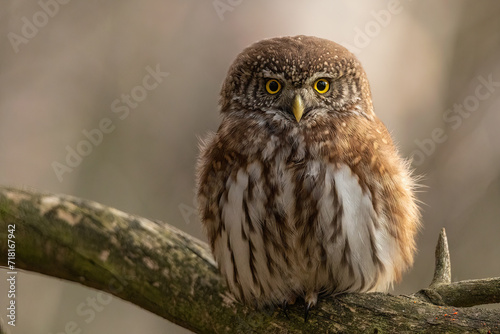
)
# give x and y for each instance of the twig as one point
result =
(459, 294)
(442, 271)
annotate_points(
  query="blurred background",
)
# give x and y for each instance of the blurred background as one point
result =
(68, 67)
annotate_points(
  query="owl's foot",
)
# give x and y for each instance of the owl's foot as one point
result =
(311, 300)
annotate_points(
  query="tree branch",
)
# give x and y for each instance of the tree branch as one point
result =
(173, 275)
(460, 294)
(465, 293)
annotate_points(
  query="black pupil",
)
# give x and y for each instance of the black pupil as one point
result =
(273, 86)
(321, 85)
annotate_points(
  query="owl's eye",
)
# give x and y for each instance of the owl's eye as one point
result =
(321, 86)
(273, 86)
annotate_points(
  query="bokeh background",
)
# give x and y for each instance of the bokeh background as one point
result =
(63, 72)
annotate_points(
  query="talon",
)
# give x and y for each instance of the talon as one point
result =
(306, 314)
(310, 299)
(284, 307)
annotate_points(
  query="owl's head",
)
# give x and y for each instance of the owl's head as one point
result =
(296, 79)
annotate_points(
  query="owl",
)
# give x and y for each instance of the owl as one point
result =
(301, 191)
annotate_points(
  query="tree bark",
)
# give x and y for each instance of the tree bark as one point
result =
(173, 275)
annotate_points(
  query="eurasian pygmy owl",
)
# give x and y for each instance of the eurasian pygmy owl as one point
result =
(301, 190)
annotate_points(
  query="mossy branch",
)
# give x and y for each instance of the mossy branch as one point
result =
(173, 275)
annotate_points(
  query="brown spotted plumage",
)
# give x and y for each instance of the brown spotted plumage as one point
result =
(301, 190)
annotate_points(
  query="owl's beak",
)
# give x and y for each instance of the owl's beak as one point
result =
(298, 107)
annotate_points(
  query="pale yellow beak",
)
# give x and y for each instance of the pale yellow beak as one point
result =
(298, 107)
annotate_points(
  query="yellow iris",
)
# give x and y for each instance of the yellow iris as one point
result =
(273, 86)
(321, 86)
